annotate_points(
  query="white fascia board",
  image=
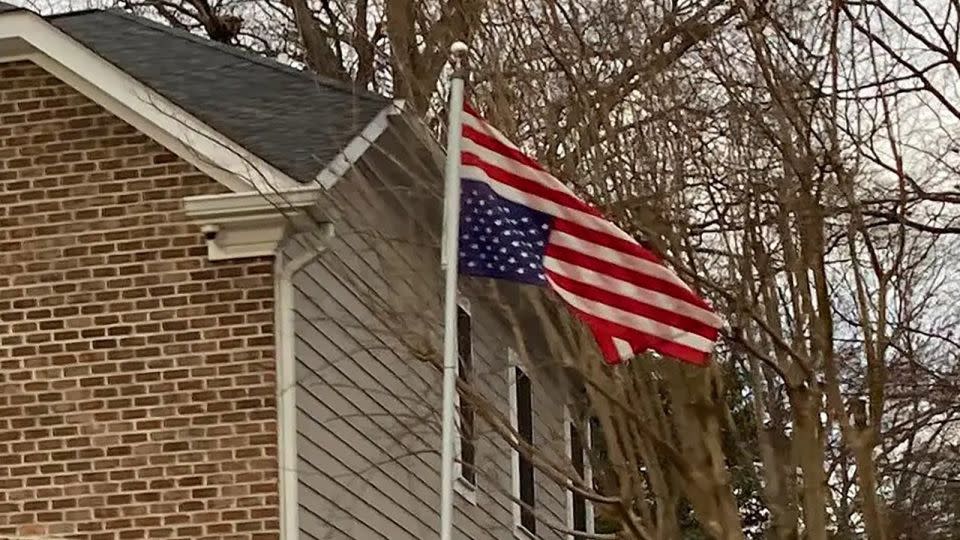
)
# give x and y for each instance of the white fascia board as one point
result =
(349, 156)
(239, 205)
(217, 156)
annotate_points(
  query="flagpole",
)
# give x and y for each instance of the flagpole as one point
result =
(448, 261)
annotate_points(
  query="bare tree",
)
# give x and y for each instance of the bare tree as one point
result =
(795, 162)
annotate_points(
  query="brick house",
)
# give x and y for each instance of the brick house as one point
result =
(187, 348)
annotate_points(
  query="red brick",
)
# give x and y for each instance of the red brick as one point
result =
(141, 410)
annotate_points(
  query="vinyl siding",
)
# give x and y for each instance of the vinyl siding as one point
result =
(368, 421)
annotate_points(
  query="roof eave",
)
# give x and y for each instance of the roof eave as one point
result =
(25, 35)
(243, 225)
(348, 157)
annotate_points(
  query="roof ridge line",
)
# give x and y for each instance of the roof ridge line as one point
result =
(237, 52)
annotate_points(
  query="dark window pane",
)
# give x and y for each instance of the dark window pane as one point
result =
(577, 459)
(464, 342)
(467, 414)
(467, 445)
(524, 407)
(525, 429)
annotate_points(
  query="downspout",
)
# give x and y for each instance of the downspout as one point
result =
(285, 345)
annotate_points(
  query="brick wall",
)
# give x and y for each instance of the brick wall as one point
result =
(136, 377)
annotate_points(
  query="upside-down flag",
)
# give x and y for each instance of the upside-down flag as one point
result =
(519, 223)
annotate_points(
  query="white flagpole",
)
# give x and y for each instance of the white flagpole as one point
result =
(448, 260)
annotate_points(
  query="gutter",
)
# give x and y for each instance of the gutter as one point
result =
(285, 346)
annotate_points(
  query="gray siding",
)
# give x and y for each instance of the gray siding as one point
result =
(368, 408)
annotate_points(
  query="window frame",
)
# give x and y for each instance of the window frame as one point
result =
(585, 443)
(463, 486)
(520, 531)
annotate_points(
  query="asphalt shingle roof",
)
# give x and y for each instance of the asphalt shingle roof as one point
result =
(295, 121)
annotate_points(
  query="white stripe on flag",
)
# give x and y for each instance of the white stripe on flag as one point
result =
(623, 348)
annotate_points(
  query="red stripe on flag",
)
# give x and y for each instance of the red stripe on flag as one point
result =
(633, 305)
(630, 248)
(639, 279)
(607, 240)
(603, 330)
(473, 112)
(491, 143)
(524, 184)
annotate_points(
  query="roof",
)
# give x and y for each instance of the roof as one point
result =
(294, 120)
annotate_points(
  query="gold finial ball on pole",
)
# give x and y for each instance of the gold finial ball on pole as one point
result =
(458, 58)
(459, 48)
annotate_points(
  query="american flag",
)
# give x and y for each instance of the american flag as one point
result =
(519, 223)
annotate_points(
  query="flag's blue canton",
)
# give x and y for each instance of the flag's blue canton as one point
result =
(499, 238)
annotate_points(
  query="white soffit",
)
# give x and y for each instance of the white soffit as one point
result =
(239, 225)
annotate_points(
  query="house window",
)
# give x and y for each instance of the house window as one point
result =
(465, 410)
(524, 475)
(579, 510)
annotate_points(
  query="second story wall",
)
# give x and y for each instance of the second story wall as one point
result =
(368, 396)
